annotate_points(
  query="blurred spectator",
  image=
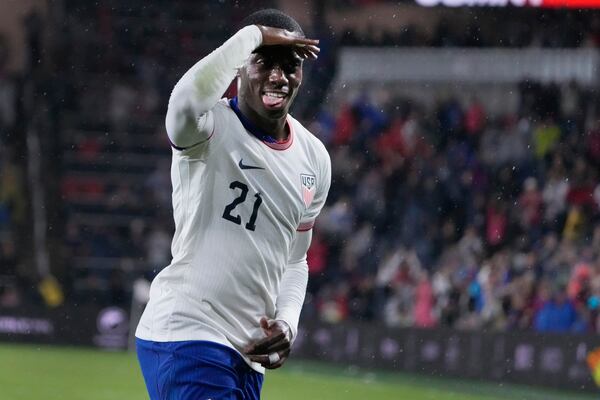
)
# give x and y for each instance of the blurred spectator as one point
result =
(545, 138)
(8, 94)
(12, 194)
(530, 206)
(555, 195)
(317, 258)
(424, 302)
(556, 314)
(158, 253)
(123, 100)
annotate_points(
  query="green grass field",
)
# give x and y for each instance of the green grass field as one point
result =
(40, 372)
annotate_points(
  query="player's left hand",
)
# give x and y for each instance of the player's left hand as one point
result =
(272, 351)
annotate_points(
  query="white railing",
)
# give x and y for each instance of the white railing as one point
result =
(467, 65)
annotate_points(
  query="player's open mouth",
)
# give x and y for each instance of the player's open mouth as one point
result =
(273, 98)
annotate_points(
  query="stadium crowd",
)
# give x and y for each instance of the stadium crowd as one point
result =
(456, 218)
(436, 217)
(12, 185)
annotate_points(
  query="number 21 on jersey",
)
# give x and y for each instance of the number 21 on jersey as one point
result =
(237, 219)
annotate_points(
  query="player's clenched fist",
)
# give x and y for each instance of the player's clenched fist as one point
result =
(272, 351)
(306, 48)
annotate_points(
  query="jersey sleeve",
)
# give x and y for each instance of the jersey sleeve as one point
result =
(293, 284)
(322, 189)
(187, 121)
(215, 121)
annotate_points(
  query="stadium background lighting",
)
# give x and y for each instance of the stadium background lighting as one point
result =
(512, 3)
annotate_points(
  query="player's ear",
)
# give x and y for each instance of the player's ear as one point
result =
(240, 71)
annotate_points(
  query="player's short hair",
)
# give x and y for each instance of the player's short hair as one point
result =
(273, 18)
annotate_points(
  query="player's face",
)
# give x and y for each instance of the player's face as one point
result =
(270, 80)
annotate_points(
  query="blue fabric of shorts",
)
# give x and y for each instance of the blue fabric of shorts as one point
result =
(196, 370)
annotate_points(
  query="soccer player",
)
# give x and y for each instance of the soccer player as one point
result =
(248, 182)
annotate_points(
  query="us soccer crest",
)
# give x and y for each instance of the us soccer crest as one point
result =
(308, 188)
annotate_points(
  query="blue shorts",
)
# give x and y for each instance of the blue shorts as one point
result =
(196, 370)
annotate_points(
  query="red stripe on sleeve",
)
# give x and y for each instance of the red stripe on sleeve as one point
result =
(306, 226)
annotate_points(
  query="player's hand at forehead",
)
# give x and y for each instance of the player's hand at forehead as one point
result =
(306, 48)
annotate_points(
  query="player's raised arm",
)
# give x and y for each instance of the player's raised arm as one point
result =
(187, 121)
(201, 87)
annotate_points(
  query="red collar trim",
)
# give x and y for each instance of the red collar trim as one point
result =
(283, 144)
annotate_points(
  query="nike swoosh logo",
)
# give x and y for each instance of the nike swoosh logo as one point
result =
(244, 166)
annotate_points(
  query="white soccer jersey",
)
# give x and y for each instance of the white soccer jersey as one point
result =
(238, 203)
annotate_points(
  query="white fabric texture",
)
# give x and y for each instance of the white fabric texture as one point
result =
(293, 284)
